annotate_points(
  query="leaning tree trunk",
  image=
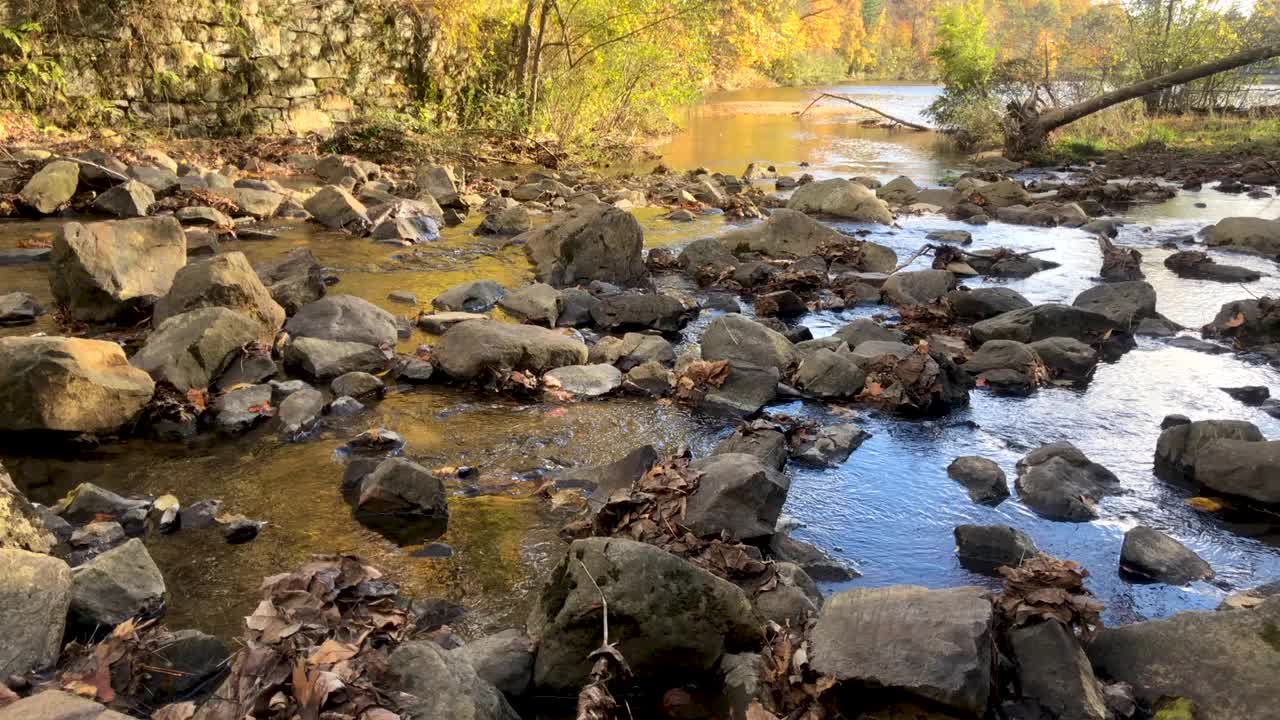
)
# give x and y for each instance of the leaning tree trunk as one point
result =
(1028, 128)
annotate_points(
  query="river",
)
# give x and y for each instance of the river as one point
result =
(889, 509)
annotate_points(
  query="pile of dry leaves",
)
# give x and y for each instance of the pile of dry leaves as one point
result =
(317, 646)
(910, 384)
(792, 689)
(1044, 587)
(699, 377)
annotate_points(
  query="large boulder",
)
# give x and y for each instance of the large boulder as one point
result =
(1150, 555)
(710, 253)
(934, 644)
(35, 593)
(1225, 662)
(1003, 193)
(737, 495)
(1248, 322)
(642, 311)
(118, 584)
(118, 269)
(985, 302)
(740, 339)
(192, 349)
(68, 384)
(1059, 482)
(1246, 234)
(1179, 448)
(1242, 468)
(51, 187)
(841, 198)
(917, 287)
(1043, 321)
(328, 359)
(345, 318)
(470, 349)
(1123, 303)
(130, 199)
(597, 242)
(441, 684)
(1054, 673)
(679, 619)
(226, 280)
(899, 191)
(786, 233)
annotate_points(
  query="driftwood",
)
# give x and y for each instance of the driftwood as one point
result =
(1027, 127)
(864, 106)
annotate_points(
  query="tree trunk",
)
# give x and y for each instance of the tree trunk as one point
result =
(536, 62)
(1028, 128)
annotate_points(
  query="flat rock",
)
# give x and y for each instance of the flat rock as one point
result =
(587, 380)
(58, 705)
(345, 318)
(472, 348)
(475, 296)
(327, 359)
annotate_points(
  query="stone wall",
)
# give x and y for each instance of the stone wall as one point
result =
(202, 66)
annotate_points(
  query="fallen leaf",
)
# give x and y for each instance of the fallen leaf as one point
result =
(1206, 504)
(1236, 321)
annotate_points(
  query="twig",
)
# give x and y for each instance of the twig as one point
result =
(912, 259)
(604, 602)
(110, 173)
(864, 106)
(1014, 255)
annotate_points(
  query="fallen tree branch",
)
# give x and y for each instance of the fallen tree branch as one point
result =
(595, 702)
(864, 106)
(108, 171)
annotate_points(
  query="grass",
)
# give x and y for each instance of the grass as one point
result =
(1127, 127)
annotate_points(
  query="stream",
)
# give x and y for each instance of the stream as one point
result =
(889, 510)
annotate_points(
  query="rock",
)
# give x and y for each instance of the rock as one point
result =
(987, 547)
(935, 644)
(816, 563)
(259, 204)
(475, 296)
(1242, 468)
(130, 199)
(345, 406)
(294, 280)
(239, 410)
(226, 280)
(159, 179)
(747, 389)
(402, 488)
(899, 191)
(406, 222)
(300, 411)
(442, 684)
(983, 478)
(650, 378)
(587, 380)
(1179, 447)
(632, 350)
(192, 659)
(88, 502)
(1043, 321)
(642, 311)
(959, 237)
(119, 584)
(470, 349)
(327, 359)
(867, 330)
(840, 198)
(438, 180)
(35, 593)
(192, 349)
(830, 447)
(1199, 266)
(592, 243)
(504, 660)
(781, 304)
(356, 384)
(672, 609)
(1055, 674)
(1067, 359)
(1003, 193)
(1000, 263)
(1251, 395)
(107, 270)
(742, 679)
(438, 323)
(1152, 556)
(828, 374)
(58, 705)
(538, 303)
(918, 287)
(1249, 322)
(22, 524)
(786, 233)
(1223, 661)
(767, 445)
(345, 318)
(337, 209)
(740, 339)
(604, 480)
(19, 308)
(69, 385)
(1059, 482)
(1246, 234)
(51, 187)
(1123, 303)
(1006, 365)
(792, 600)
(509, 221)
(202, 216)
(737, 495)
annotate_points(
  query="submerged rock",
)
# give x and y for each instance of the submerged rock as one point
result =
(672, 608)
(934, 644)
(1152, 556)
(1059, 482)
(69, 385)
(587, 380)
(105, 271)
(476, 296)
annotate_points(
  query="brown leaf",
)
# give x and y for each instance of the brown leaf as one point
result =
(1236, 321)
(756, 711)
(176, 711)
(331, 652)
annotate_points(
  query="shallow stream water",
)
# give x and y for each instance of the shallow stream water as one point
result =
(889, 509)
